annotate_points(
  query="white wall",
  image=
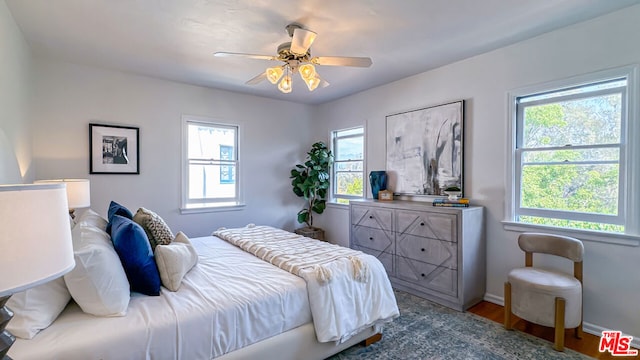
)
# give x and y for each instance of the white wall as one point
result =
(67, 97)
(15, 67)
(612, 273)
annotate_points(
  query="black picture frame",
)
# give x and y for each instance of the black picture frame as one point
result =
(114, 149)
(425, 149)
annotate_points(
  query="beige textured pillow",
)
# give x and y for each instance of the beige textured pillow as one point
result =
(175, 260)
(157, 230)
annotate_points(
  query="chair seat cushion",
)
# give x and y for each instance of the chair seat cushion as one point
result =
(533, 294)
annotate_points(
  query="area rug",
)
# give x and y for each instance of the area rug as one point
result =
(426, 330)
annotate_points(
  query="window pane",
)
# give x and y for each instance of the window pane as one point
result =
(587, 121)
(349, 166)
(598, 154)
(348, 183)
(356, 131)
(205, 181)
(349, 148)
(576, 90)
(580, 188)
(206, 142)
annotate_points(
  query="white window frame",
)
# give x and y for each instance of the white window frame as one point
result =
(207, 204)
(629, 206)
(333, 197)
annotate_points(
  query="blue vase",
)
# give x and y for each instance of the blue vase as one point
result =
(378, 180)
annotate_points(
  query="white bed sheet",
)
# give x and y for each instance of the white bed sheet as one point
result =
(221, 306)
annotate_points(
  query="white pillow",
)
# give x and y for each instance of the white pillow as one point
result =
(90, 217)
(98, 282)
(175, 260)
(36, 308)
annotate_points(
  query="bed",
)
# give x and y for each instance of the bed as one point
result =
(231, 305)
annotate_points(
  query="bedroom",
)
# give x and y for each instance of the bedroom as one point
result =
(46, 104)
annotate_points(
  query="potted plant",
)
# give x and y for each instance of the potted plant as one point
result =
(453, 192)
(311, 181)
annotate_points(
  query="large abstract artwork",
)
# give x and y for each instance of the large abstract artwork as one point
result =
(424, 149)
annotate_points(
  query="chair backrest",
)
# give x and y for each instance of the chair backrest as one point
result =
(558, 245)
(564, 246)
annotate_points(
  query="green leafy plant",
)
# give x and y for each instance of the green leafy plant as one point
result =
(311, 181)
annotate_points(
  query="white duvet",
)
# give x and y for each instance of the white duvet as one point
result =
(221, 306)
(348, 290)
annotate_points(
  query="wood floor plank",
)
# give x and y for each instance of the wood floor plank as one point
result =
(588, 345)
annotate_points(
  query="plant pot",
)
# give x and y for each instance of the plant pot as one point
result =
(314, 233)
(453, 195)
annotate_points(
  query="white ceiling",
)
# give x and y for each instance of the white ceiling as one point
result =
(176, 39)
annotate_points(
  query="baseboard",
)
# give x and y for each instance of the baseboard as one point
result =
(498, 300)
(597, 330)
(589, 328)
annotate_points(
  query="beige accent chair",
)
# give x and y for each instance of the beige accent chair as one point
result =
(546, 297)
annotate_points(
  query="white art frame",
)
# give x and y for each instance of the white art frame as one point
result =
(425, 150)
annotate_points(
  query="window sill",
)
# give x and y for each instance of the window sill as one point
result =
(585, 235)
(335, 205)
(207, 208)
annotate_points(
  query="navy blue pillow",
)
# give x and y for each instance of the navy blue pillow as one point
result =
(133, 248)
(116, 209)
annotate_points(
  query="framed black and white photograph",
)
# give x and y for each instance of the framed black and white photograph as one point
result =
(113, 149)
(424, 149)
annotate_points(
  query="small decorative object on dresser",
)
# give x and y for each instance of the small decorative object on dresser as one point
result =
(453, 192)
(437, 253)
(378, 180)
(385, 195)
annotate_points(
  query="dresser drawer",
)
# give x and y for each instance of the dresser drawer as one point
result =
(385, 258)
(435, 278)
(372, 217)
(426, 224)
(376, 239)
(431, 251)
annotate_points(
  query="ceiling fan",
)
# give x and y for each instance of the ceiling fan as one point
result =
(296, 58)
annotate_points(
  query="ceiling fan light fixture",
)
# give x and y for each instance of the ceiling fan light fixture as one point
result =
(307, 71)
(285, 84)
(312, 82)
(274, 74)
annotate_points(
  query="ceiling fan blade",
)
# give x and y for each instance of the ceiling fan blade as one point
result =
(301, 41)
(258, 79)
(342, 61)
(250, 56)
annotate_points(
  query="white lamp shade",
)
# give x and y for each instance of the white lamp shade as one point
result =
(78, 191)
(35, 236)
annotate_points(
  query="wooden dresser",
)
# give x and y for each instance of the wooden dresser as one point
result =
(437, 253)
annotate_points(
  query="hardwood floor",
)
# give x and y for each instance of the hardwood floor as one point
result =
(588, 345)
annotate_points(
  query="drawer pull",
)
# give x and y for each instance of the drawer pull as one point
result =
(370, 216)
(370, 238)
(422, 249)
(422, 275)
(421, 224)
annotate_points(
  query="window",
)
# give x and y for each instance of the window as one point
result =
(348, 165)
(211, 164)
(572, 164)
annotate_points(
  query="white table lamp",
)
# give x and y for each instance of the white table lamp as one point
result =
(35, 243)
(78, 192)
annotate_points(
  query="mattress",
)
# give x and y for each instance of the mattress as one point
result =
(220, 307)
